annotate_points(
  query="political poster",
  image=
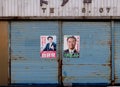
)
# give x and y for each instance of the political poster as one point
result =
(48, 46)
(71, 46)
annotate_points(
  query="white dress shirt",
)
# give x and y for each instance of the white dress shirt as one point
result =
(71, 51)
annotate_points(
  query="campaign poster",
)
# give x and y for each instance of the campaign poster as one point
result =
(48, 46)
(71, 46)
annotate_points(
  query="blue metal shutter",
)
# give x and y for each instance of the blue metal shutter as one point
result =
(93, 65)
(117, 52)
(26, 64)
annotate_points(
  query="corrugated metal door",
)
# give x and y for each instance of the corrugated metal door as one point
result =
(93, 64)
(117, 52)
(26, 64)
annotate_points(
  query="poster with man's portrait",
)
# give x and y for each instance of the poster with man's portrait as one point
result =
(48, 46)
(71, 46)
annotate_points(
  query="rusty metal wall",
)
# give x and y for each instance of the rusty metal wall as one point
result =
(72, 8)
(27, 67)
(117, 51)
(98, 61)
(4, 57)
(94, 62)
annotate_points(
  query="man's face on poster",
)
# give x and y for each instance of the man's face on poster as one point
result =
(50, 40)
(71, 42)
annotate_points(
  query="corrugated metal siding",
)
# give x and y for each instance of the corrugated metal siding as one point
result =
(25, 8)
(93, 66)
(26, 64)
(117, 52)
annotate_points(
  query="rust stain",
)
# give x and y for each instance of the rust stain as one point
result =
(106, 65)
(109, 42)
(63, 78)
(60, 71)
(4, 65)
(116, 77)
(68, 78)
(57, 17)
(13, 57)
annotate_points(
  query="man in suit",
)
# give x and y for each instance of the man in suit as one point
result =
(71, 52)
(51, 46)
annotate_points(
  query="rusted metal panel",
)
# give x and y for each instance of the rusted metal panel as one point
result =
(59, 8)
(4, 64)
(94, 62)
(26, 64)
(117, 52)
(93, 65)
